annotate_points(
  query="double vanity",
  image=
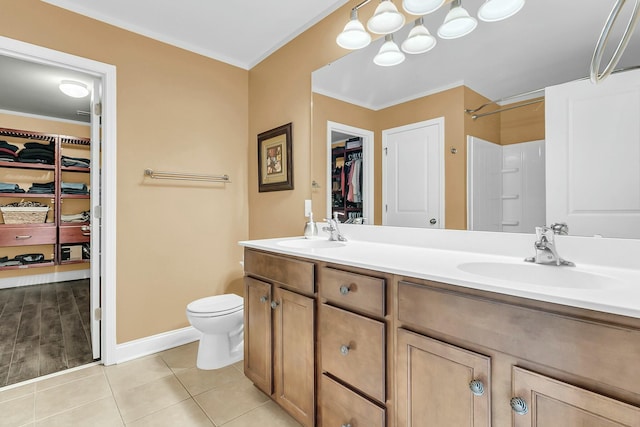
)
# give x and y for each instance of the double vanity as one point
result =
(406, 327)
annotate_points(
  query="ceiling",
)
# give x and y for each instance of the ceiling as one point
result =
(548, 42)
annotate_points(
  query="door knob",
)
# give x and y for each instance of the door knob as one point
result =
(432, 221)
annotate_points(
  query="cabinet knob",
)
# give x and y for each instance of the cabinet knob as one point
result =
(477, 388)
(344, 289)
(263, 299)
(344, 350)
(274, 304)
(346, 425)
(519, 406)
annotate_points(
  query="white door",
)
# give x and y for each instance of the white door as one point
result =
(95, 217)
(484, 185)
(593, 156)
(413, 175)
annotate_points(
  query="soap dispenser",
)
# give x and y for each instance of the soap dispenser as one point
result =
(310, 228)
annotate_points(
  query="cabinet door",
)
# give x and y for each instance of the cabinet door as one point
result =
(434, 384)
(294, 363)
(257, 333)
(549, 403)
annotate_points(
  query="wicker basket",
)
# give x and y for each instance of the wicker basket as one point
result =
(27, 215)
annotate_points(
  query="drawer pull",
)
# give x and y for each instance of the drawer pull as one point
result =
(519, 406)
(477, 388)
(274, 304)
(344, 350)
(23, 237)
(344, 289)
(86, 234)
(263, 299)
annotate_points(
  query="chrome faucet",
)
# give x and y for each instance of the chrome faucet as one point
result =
(546, 252)
(333, 229)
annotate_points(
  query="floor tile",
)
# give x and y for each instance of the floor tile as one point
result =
(148, 398)
(17, 392)
(186, 413)
(75, 339)
(52, 358)
(29, 321)
(197, 381)
(269, 415)
(183, 357)
(17, 412)
(230, 400)
(137, 372)
(101, 413)
(70, 395)
(69, 376)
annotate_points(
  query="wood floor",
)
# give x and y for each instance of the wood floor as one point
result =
(43, 329)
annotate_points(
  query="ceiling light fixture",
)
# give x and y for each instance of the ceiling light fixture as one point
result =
(421, 7)
(457, 23)
(419, 39)
(497, 10)
(73, 88)
(386, 20)
(389, 53)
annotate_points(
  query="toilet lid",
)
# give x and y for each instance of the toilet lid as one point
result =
(219, 304)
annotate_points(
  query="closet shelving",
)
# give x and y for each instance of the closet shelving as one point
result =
(48, 237)
(343, 154)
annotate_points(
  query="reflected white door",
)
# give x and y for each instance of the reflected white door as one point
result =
(95, 217)
(413, 175)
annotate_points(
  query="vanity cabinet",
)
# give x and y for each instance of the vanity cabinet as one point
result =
(352, 337)
(550, 365)
(280, 331)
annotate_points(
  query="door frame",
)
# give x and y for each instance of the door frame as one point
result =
(367, 136)
(107, 73)
(385, 141)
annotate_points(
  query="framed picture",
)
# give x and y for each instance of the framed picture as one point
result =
(275, 162)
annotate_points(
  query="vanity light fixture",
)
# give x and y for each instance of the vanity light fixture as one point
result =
(419, 39)
(354, 35)
(457, 23)
(497, 10)
(421, 7)
(73, 88)
(386, 19)
(389, 53)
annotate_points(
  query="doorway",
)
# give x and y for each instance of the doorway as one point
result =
(100, 299)
(413, 175)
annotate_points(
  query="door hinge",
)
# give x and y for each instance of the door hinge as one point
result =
(97, 313)
(385, 151)
(386, 208)
(97, 109)
(97, 211)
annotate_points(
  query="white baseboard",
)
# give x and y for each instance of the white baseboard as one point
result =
(155, 343)
(39, 279)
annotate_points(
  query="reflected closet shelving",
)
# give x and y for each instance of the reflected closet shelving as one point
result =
(344, 155)
(50, 237)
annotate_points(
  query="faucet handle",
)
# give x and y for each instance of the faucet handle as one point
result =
(560, 228)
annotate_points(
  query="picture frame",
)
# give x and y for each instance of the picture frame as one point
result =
(275, 160)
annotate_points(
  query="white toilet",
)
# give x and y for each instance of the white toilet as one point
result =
(221, 320)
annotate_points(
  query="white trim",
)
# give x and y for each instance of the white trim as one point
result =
(48, 376)
(155, 343)
(437, 121)
(38, 116)
(40, 279)
(107, 73)
(367, 136)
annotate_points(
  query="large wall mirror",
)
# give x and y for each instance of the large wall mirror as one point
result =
(547, 43)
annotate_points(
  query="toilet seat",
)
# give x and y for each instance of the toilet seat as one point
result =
(218, 305)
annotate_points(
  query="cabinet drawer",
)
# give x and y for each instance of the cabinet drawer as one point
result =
(290, 272)
(340, 406)
(75, 234)
(352, 290)
(21, 236)
(353, 349)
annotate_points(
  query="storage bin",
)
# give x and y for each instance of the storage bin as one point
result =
(24, 215)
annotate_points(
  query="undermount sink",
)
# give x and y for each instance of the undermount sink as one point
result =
(541, 275)
(310, 243)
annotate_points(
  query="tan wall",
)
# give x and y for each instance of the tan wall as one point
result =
(47, 126)
(176, 111)
(522, 124)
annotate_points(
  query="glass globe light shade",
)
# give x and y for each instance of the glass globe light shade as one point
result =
(457, 23)
(354, 35)
(386, 19)
(419, 40)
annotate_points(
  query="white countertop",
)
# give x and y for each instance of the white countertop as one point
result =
(611, 289)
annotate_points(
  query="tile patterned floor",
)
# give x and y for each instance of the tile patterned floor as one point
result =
(165, 389)
(43, 329)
